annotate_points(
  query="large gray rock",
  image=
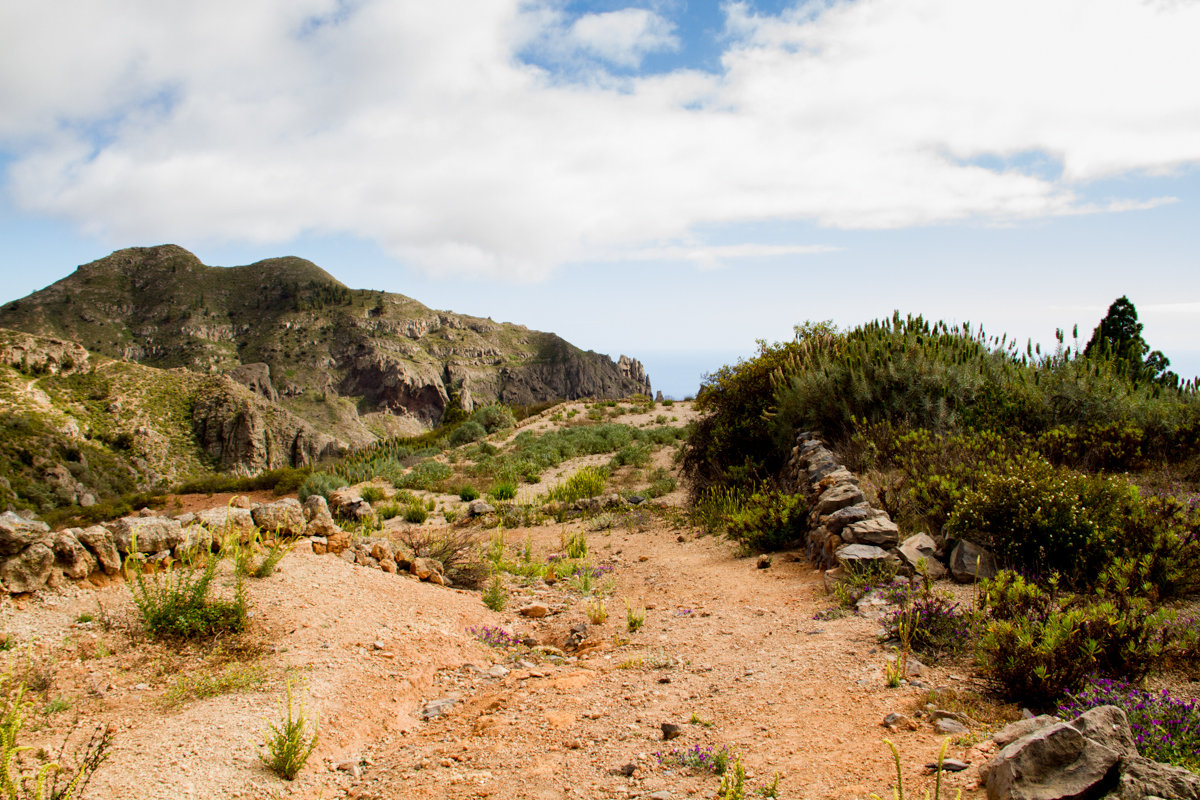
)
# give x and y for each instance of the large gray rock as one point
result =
(918, 547)
(152, 534)
(1092, 756)
(851, 554)
(226, 521)
(1022, 728)
(846, 494)
(283, 517)
(29, 570)
(969, 562)
(314, 506)
(1055, 763)
(17, 533)
(881, 532)
(72, 557)
(99, 540)
(849, 515)
(478, 508)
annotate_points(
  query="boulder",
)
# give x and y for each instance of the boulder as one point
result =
(341, 501)
(99, 540)
(850, 554)
(921, 546)
(314, 506)
(17, 533)
(282, 518)
(29, 570)
(1093, 755)
(226, 521)
(969, 563)
(478, 508)
(881, 532)
(72, 557)
(846, 494)
(153, 534)
(425, 568)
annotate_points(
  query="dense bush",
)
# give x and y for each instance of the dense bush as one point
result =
(177, 602)
(768, 520)
(469, 431)
(1039, 646)
(424, 475)
(493, 418)
(933, 624)
(322, 483)
(587, 482)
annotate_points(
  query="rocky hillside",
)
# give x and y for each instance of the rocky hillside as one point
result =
(354, 362)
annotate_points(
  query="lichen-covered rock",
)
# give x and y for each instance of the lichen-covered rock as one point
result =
(226, 521)
(283, 517)
(29, 570)
(152, 534)
(99, 540)
(72, 557)
(17, 533)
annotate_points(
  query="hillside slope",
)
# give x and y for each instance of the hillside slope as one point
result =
(291, 331)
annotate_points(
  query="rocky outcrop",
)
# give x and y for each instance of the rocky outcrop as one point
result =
(1092, 756)
(632, 369)
(257, 378)
(40, 354)
(244, 434)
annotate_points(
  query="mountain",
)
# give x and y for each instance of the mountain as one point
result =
(151, 366)
(372, 353)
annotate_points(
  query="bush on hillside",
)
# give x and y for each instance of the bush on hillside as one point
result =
(322, 483)
(768, 520)
(469, 431)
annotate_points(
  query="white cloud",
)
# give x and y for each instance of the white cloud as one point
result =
(417, 125)
(623, 37)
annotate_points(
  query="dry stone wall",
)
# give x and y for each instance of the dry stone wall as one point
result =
(843, 526)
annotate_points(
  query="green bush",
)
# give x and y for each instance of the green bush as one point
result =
(633, 455)
(424, 475)
(468, 493)
(416, 514)
(288, 743)
(177, 602)
(503, 490)
(587, 482)
(1042, 519)
(322, 483)
(469, 431)
(768, 520)
(1039, 647)
(372, 494)
(493, 418)
(389, 511)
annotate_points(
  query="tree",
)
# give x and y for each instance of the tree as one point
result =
(1119, 337)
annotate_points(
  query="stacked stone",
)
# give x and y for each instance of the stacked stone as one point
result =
(33, 557)
(843, 525)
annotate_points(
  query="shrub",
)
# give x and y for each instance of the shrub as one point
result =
(424, 475)
(635, 617)
(288, 743)
(1040, 647)
(455, 549)
(503, 490)
(176, 602)
(416, 514)
(322, 483)
(576, 546)
(372, 494)
(494, 596)
(468, 493)
(633, 455)
(1165, 728)
(587, 482)
(1041, 519)
(469, 431)
(389, 510)
(934, 625)
(493, 418)
(768, 520)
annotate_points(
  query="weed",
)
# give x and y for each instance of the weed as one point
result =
(244, 555)
(698, 759)
(389, 511)
(495, 637)
(576, 545)
(468, 493)
(733, 781)
(416, 514)
(503, 490)
(176, 602)
(494, 596)
(288, 743)
(898, 792)
(596, 612)
(85, 618)
(61, 703)
(202, 684)
(697, 720)
(372, 494)
(587, 482)
(635, 617)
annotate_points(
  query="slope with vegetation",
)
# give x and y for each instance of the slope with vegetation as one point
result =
(1079, 469)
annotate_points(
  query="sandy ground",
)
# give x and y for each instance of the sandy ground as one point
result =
(730, 653)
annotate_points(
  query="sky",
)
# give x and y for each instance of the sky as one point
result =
(666, 179)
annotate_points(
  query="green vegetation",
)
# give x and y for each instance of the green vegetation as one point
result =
(288, 742)
(970, 436)
(176, 602)
(587, 482)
